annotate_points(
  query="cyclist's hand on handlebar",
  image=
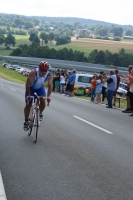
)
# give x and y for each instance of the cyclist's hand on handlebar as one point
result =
(48, 100)
(28, 98)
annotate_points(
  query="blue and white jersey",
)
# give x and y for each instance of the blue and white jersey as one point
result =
(39, 80)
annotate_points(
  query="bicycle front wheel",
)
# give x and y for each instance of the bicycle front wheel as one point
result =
(36, 125)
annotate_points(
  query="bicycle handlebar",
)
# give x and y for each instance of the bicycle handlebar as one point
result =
(37, 97)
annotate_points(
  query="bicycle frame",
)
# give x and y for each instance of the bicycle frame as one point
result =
(34, 117)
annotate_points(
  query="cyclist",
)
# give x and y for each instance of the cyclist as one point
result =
(35, 83)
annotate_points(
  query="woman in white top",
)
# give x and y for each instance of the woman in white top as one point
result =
(62, 83)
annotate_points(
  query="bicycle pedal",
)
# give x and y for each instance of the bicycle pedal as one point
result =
(30, 125)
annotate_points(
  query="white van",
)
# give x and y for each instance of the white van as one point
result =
(83, 80)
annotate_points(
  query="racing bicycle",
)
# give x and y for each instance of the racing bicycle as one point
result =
(34, 117)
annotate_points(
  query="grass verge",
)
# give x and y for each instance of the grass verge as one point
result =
(12, 75)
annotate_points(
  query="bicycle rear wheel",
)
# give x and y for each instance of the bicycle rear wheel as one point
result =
(36, 125)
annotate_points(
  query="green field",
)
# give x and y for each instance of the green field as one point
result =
(85, 45)
(5, 52)
(21, 39)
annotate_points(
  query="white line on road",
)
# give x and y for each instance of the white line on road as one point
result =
(102, 129)
(12, 89)
(2, 190)
(1, 85)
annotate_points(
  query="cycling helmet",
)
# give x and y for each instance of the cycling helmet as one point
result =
(44, 65)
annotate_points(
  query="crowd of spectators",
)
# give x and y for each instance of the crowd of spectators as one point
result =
(101, 86)
(64, 81)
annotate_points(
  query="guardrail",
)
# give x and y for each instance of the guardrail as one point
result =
(31, 62)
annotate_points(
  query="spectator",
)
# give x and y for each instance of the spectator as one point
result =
(98, 89)
(93, 88)
(117, 86)
(111, 87)
(128, 109)
(130, 85)
(104, 86)
(57, 82)
(54, 79)
(62, 82)
(68, 83)
(72, 82)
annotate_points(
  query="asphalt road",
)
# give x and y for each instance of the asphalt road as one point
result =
(84, 151)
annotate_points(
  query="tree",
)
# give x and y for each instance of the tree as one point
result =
(129, 32)
(9, 40)
(51, 36)
(32, 30)
(102, 32)
(44, 36)
(118, 31)
(2, 39)
(28, 25)
(34, 38)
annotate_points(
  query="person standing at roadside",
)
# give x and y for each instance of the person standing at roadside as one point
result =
(104, 86)
(98, 89)
(129, 81)
(68, 78)
(72, 82)
(54, 79)
(57, 81)
(93, 88)
(62, 83)
(117, 86)
(111, 87)
(128, 109)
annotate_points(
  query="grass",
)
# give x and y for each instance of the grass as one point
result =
(5, 52)
(8, 74)
(123, 103)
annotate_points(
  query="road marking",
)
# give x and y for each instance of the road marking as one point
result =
(2, 190)
(1, 85)
(12, 89)
(98, 127)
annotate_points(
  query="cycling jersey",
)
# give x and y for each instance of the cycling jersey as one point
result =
(39, 80)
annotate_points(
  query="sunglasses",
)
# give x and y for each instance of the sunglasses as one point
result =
(43, 70)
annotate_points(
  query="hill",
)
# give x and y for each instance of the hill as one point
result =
(68, 20)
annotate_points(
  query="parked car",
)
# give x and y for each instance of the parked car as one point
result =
(4, 64)
(83, 80)
(15, 67)
(18, 68)
(10, 66)
(26, 72)
(122, 90)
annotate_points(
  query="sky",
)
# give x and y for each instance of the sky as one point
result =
(114, 11)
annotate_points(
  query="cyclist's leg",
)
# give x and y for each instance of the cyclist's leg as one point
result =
(42, 93)
(27, 110)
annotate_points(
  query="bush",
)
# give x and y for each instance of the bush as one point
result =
(117, 39)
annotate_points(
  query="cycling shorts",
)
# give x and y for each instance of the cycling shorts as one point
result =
(40, 92)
